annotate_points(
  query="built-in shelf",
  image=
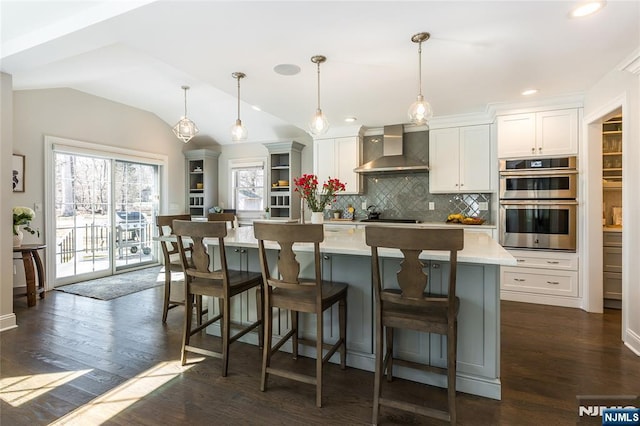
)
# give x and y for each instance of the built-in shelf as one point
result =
(284, 165)
(202, 181)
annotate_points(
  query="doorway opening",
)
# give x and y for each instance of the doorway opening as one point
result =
(612, 210)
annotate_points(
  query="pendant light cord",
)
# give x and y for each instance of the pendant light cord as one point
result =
(238, 98)
(185, 103)
(318, 85)
(420, 68)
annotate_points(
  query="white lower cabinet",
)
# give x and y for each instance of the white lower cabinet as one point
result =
(549, 278)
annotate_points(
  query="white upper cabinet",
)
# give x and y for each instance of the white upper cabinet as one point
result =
(539, 133)
(460, 159)
(336, 158)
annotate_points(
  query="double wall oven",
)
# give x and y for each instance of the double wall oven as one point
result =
(538, 207)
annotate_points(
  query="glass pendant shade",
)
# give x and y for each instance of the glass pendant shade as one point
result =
(319, 124)
(185, 129)
(239, 132)
(420, 111)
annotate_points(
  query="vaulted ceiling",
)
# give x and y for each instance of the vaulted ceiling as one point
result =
(141, 52)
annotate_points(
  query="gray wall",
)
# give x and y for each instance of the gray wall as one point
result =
(79, 116)
(7, 318)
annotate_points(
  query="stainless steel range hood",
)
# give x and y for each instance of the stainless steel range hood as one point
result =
(392, 159)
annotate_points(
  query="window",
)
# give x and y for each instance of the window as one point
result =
(248, 185)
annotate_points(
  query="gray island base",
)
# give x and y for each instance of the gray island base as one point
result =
(346, 258)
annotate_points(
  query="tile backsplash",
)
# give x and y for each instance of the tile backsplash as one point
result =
(407, 196)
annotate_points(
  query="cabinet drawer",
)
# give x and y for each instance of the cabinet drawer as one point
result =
(612, 283)
(612, 239)
(568, 263)
(552, 282)
(612, 259)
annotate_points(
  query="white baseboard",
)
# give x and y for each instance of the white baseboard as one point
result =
(632, 341)
(7, 322)
(541, 299)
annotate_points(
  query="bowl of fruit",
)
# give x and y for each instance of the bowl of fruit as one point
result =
(465, 220)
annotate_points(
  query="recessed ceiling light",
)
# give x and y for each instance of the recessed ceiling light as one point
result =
(529, 92)
(256, 107)
(286, 69)
(586, 9)
(350, 119)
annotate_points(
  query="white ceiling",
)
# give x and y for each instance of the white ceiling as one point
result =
(141, 52)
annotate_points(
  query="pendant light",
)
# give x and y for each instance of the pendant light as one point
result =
(238, 131)
(420, 111)
(185, 129)
(319, 123)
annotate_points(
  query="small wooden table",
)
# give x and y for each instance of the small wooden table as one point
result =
(29, 257)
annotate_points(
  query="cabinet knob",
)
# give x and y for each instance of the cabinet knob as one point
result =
(462, 184)
(540, 149)
(456, 184)
(533, 150)
(436, 266)
(326, 257)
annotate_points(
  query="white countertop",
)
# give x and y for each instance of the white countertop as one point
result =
(419, 225)
(478, 247)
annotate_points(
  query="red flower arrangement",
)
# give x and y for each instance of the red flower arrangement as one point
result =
(317, 200)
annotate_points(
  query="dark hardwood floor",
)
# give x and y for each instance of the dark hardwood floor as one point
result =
(77, 360)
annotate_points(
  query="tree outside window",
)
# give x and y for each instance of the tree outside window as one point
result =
(248, 184)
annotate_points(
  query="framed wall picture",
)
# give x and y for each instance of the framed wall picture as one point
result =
(18, 173)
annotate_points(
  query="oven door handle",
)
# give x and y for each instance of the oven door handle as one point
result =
(538, 202)
(537, 173)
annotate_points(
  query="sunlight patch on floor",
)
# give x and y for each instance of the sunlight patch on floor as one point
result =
(18, 390)
(123, 396)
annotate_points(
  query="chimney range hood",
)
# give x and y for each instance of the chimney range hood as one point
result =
(392, 159)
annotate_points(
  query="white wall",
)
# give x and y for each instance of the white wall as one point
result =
(7, 318)
(252, 150)
(79, 116)
(625, 85)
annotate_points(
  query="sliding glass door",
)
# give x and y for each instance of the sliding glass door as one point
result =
(104, 215)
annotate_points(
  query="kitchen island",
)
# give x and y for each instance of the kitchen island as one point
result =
(346, 258)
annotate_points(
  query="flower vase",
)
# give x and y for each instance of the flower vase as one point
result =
(17, 236)
(317, 217)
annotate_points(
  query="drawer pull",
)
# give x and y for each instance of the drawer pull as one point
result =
(520, 280)
(552, 262)
(520, 260)
(553, 282)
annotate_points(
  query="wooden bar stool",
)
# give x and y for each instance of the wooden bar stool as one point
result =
(222, 217)
(411, 307)
(289, 291)
(222, 284)
(172, 262)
